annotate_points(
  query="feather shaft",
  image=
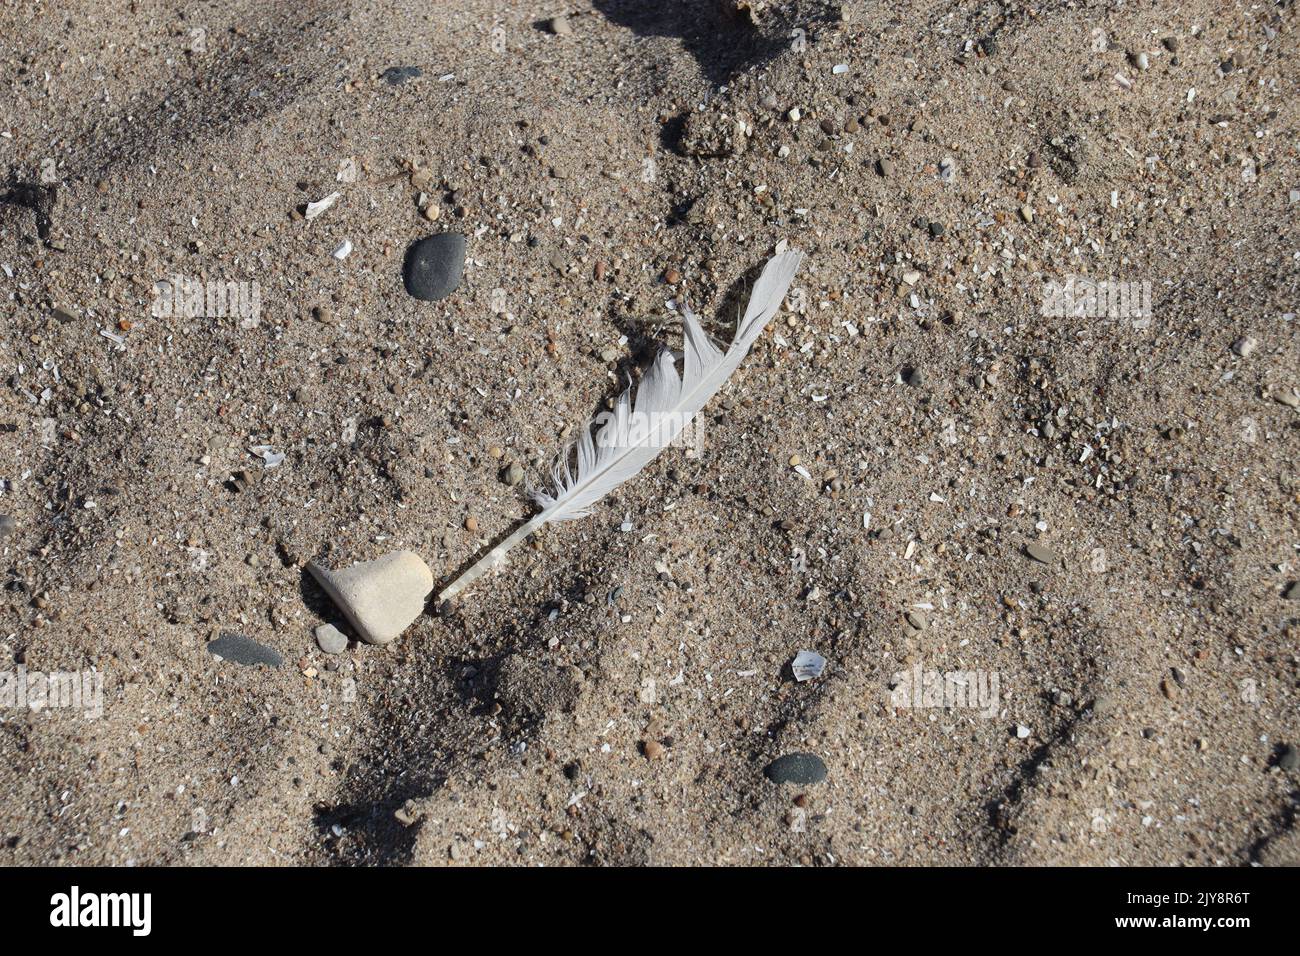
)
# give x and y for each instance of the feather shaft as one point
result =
(493, 558)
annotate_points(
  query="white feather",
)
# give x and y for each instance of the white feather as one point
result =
(634, 433)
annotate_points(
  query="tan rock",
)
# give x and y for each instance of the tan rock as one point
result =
(381, 597)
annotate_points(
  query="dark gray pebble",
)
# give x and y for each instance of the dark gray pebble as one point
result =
(7, 526)
(397, 75)
(434, 266)
(244, 650)
(802, 769)
(1289, 758)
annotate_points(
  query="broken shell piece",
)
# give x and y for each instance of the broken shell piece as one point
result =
(344, 250)
(314, 209)
(270, 457)
(808, 665)
(381, 597)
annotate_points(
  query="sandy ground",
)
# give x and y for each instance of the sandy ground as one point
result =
(614, 695)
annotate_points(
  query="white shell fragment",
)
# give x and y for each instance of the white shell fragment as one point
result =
(344, 250)
(808, 665)
(314, 209)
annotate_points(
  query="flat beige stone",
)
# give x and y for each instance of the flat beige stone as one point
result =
(381, 597)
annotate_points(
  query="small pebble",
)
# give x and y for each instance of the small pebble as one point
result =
(1244, 346)
(434, 266)
(7, 526)
(331, 640)
(1289, 758)
(1040, 553)
(245, 478)
(560, 26)
(798, 768)
(244, 650)
(652, 749)
(397, 75)
(408, 814)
